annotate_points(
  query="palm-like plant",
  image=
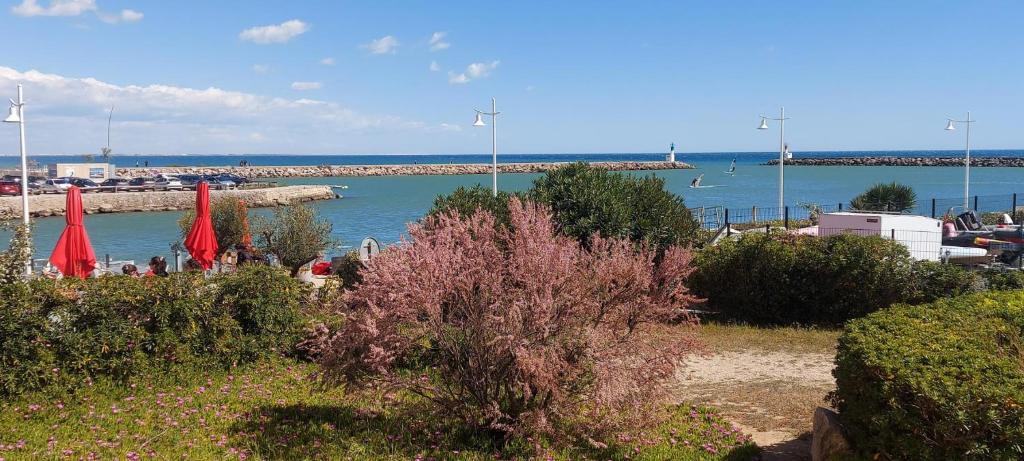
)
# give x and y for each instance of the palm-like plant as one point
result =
(886, 197)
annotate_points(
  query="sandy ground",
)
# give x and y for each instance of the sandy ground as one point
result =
(770, 394)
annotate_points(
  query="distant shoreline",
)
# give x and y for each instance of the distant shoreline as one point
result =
(299, 171)
(994, 162)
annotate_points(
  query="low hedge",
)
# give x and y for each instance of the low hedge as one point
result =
(935, 382)
(68, 331)
(787, 279)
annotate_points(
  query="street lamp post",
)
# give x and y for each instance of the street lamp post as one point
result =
(17, 115)
(494, 141)
(967, 155)
(782, 149)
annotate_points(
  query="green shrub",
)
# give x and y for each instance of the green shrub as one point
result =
(930, 280)
(784, 279)
(997, 279)
(936, 382)
(350, 270)
(466, 201)
(266, 302)
(586, 200)
(66, 331)
(295, 234)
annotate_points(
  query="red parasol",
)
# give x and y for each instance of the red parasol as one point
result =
(73, 255)
(201, 241)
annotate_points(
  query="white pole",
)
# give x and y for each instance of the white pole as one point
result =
(24, 173)
(494, 147)
(967, 165)
(782, 155)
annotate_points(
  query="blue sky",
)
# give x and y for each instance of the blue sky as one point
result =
(569, 76)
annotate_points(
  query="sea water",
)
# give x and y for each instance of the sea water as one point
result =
(382, 206)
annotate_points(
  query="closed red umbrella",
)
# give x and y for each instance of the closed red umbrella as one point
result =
(201, 241)
(73, 255)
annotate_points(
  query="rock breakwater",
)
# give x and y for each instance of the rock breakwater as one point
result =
(105, 202)
(904, 161)
(389, 170)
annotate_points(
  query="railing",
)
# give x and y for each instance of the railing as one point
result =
(717, 217)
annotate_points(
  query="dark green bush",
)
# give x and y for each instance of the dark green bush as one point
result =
(586, 200)
(785, 279)
(349, 271)
(266, 302)
(886, 197)
(996, 279)
(65, 331)
(930, 280)
(940, 381)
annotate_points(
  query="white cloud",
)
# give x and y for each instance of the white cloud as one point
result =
(304, 86)
(274, 33)
(434, 67)
(124, 16)
(473, 71)
(437, 42)
(383, 45)
(55, 8)
(69, 116)
(327, 61)
(260, 68)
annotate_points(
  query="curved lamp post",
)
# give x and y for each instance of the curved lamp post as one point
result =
(17, 115)
(782, 149)
(967, 157)
(494, 142)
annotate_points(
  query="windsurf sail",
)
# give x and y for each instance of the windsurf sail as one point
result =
(696, 181)
(732, 168)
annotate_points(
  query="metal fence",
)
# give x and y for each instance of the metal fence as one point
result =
(717, 217)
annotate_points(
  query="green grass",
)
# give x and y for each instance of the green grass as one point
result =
(271, 410)
(730, 337)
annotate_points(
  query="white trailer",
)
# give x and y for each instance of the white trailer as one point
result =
(921, 235)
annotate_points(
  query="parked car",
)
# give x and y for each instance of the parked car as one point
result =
(9, 188)
(87, 185)
(233, 178)
(55, 186)
(168, 183)
(189, 181)
(115, 184)
(218, 183)
(143, 183)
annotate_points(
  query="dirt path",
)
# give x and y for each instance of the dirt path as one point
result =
(771, 394)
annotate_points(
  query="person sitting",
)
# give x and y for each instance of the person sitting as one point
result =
(130, 270)
(157, 267)
(193, 266)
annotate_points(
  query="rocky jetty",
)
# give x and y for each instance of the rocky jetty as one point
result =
(106, 202)
(389, 170)
(904, 161)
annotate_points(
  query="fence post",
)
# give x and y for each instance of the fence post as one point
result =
(892, 234)
(1013, 211)
(840, 206)
(975, 203)
(933, 208)
(785, 219)
(728, 229)
(753, 214)
(768, 228)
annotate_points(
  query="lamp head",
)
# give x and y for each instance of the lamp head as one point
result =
(14, 116)
(949, 126)
(479, 120)
(764, 124)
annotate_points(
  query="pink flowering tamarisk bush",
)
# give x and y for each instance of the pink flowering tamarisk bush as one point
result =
(516, 330)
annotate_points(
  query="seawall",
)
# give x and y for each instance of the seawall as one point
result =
(106, 202)
(904, 161)
(390, 170)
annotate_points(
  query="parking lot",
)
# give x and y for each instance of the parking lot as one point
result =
(38, 185)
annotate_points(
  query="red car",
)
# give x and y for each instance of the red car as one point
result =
(10, 188)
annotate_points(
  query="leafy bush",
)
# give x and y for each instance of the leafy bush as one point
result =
(936, 382)
(930, 280)
(786, 279)
(65, 331)
(13, 259)
(466, 201)
(229, 216)
(886, 197)
(350, 270)
(587, 201)
(514, 329)
(266, 302)
(997, 279)
(295, 234)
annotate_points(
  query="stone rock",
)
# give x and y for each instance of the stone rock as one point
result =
(828, 439)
